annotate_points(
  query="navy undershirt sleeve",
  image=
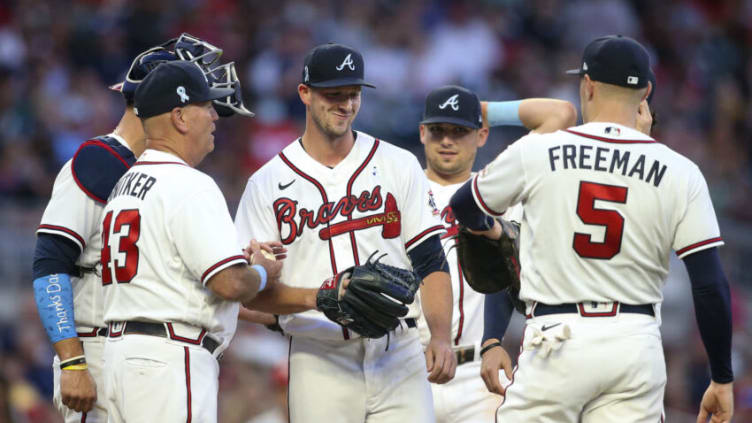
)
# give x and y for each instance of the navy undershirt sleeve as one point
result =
(467, 212)
(428, 257)
(710, 292)
(497, 313)
(54, 254)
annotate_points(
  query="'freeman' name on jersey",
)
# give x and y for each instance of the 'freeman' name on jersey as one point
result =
(605, 159)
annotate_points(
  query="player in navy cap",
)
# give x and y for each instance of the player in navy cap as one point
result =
(455, 125)
(604, 207)
(335, 196)
(66, 268)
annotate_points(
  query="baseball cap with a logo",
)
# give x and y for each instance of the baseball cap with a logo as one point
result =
(616, 60)
(453, 104)
(174, 84)
(333, 65)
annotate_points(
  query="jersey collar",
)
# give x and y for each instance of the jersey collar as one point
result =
(121, 140)
(611, 132)
(162, 157)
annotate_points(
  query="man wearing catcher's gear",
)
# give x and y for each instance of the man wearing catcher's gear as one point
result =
(452, 130)
(605, 204)
(67, 274)
(333, 197)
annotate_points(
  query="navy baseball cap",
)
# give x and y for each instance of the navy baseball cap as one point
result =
(333, 65)
(174, 84)
(616, 60)
(453, 104)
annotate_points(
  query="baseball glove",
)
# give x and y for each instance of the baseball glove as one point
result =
(489, 265)
(374, 300)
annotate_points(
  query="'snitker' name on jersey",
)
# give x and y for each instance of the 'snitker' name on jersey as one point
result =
(134, 184)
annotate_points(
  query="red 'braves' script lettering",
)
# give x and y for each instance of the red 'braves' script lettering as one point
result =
(292, 221)
(447, 216)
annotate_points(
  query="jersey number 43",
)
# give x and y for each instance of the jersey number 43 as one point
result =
(126, 264)
(611, 219)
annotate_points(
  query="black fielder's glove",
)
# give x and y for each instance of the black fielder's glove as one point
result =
(375, 299)
(490, 265)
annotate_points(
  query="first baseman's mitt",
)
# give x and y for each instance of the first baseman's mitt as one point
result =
(489, 265)
(374, 299)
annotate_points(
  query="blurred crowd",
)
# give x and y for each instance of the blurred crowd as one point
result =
(58, 57)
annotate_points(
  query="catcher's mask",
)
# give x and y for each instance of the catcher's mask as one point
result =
(186, 47)
(225, 76)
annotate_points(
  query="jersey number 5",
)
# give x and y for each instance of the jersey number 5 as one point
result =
(124, 271)
(611, 219)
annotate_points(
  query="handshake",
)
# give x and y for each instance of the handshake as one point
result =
(368, 299)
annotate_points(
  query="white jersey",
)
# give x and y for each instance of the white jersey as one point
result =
(169, 231)
(75, 214)
(376, 200)
(605, 205)
(467, 309)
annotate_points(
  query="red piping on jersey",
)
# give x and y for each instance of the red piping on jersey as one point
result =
(158, 163)
(108, 149)
(311, 179)
(211, 269)
(460, 306)
(489, 210)
(196, 341)
(289, 354)
(514, 371)
(698, 244)
(611, 140)
(188, 384)
(67, 231)
(316, 183)
(422, 234)
(349, 191)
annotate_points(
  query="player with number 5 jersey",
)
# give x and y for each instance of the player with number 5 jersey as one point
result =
(604, 206)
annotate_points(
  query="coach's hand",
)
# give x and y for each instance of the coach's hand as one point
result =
(717, 403)
(261, 255)
(78, 390)
(441, 363)
(492, 361)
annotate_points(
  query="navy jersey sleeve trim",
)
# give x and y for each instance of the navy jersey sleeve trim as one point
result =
(98, 165)
(423, 235)
(466, 210)
(712, 299)
(216, 267)
(488, 209)
(428, 257)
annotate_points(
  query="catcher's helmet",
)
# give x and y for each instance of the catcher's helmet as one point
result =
(186, 47)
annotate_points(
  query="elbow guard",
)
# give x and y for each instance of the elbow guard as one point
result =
(54, 297)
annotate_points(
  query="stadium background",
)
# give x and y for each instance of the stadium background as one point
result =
(57, 58)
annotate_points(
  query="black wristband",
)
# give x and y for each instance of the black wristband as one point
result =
(489, 346)
(72, 362)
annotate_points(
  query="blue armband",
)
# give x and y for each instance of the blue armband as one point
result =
(500, 113)
(54, 296)
(262, 274)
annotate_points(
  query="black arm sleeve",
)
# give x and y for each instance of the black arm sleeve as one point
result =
(54, 254)
(497, 313)
(710, 292)
(467, 212)
(428, 257)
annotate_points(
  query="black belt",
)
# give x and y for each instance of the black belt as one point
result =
(411, 323)
(158, 329)
(465, 355)
(544, 309)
